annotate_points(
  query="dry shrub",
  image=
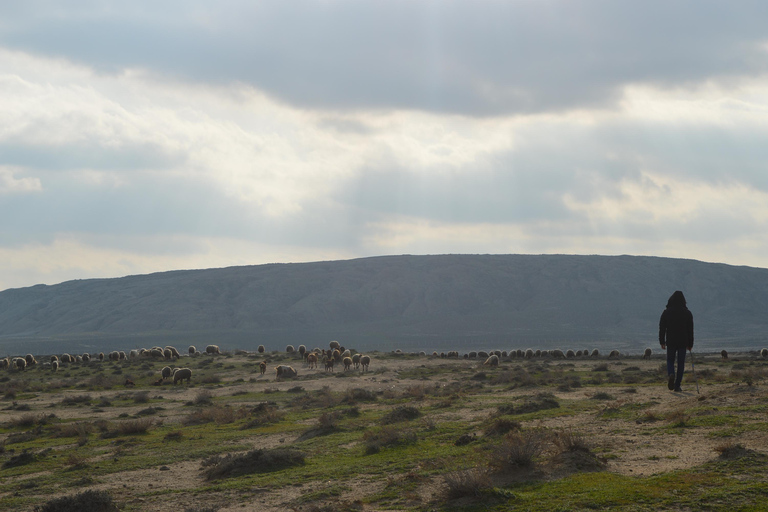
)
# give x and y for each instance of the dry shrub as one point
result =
(352, 396)
(177, 435)
(128, 427)
(678, 417)
(21, 459)
(415, 391)
(202, 398)
(264, 414)
(399, 414)
(539, 402)
(602, 367)
(217, 414)
(730, 450)
(518, 450)
(501, 426)
(466, 482)
(570, 441)
(76, 461)
(255, 461)
(78, 429)
(26, 420)
(99, 381)
(211, 379)
(86, 501)
(76, 400)
(141, 397)
(377, 439)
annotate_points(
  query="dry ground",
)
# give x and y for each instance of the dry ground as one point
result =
(626, 425)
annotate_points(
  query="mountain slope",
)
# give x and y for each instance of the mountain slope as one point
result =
(423, 301)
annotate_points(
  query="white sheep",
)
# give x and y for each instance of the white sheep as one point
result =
(20, 363)
(182, 374)
(492, 360)
(191, 350)
(614, 354)
(529, 353)
(86, 357)
(261, 349)
(356, 361)
(55, 365)
(166, 372)
(133, 354)
(212, 349)
(570, 354)
(174, 351)
(595, 353)
(557, 353)
(364, 362)
(647, 353)
(764, 353)
(334, 345)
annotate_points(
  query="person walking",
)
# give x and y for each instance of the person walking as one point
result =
(676, 335)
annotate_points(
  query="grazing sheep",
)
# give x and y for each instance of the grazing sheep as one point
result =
(537, 353)
(54, 358)
(30, 359)
(123, 355)
(482, 354)
(472, 355)
(86, 357)
(167, 354)
(570, 354)
(66, 358)
(191, 350)
(181, 374)
(614, 354)
(289, 349)
(133, 354)
(356, 361)
(261, 349)
(492, 360)
(4, 363)
(20, 363)
(334, 345)
(212, 349)
(312, 360)
(284, 371)
(55, 365)
(647, 353)
(528, 353)
(166, 372)
(302, 350)
(346, 353)
(336, 355)
(100, 357)
(595, 353)
(158, 353)
(724, 354)
(329, 364)
(263, 367)
(347, 362)
(764, 353)
(174, 351)
(364, 362)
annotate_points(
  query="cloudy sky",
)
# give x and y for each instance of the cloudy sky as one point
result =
(138, 136)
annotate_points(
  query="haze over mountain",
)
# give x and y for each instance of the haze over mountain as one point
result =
(409, 302)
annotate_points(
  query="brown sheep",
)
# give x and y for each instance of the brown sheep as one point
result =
(347, 363)
(647, 353)
(284, 371)
(724, 354)
(182, 374)
(329, 364)
(212, 349)
(263, 367)
(364, 362)
(312, 360)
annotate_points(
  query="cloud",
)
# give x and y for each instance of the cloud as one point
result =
(488, 58)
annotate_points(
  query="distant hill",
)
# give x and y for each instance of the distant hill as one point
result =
(408, 302)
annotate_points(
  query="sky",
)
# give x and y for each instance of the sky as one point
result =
(146, 136)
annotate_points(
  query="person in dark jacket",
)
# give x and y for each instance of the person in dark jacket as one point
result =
(676, 335)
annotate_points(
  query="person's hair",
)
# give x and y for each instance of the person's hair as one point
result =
(676, 299)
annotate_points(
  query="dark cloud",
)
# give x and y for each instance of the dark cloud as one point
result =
(476, 58)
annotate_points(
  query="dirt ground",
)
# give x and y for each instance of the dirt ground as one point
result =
(635, 451)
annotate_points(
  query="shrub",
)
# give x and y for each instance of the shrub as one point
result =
(518, 450)
(539, 402)
(358, 394)
(255, 461)
(86, 501)
(399, 414)
(467, 482)
(21, 459)
(76, 400)
(217, 414)
(128, 427)
(501, 426)
(377, 439)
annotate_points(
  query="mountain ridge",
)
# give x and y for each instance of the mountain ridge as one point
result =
(387, 301)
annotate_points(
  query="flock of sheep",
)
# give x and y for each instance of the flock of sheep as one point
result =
(336, 354)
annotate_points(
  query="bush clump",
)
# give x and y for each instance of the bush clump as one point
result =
(530, 404)
(254, 461)
(399, 414)
(86, 501)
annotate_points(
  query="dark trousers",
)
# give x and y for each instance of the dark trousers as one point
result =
(676, 353)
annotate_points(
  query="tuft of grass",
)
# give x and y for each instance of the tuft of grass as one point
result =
(539, 402)
(518, 450)
(377, 439)
(466, 482)
(215, 414)
(76, 400)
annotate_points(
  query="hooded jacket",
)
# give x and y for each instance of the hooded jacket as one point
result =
(676, 323)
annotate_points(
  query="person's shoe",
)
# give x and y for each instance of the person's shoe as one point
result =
(671, 381)
(678, 390)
